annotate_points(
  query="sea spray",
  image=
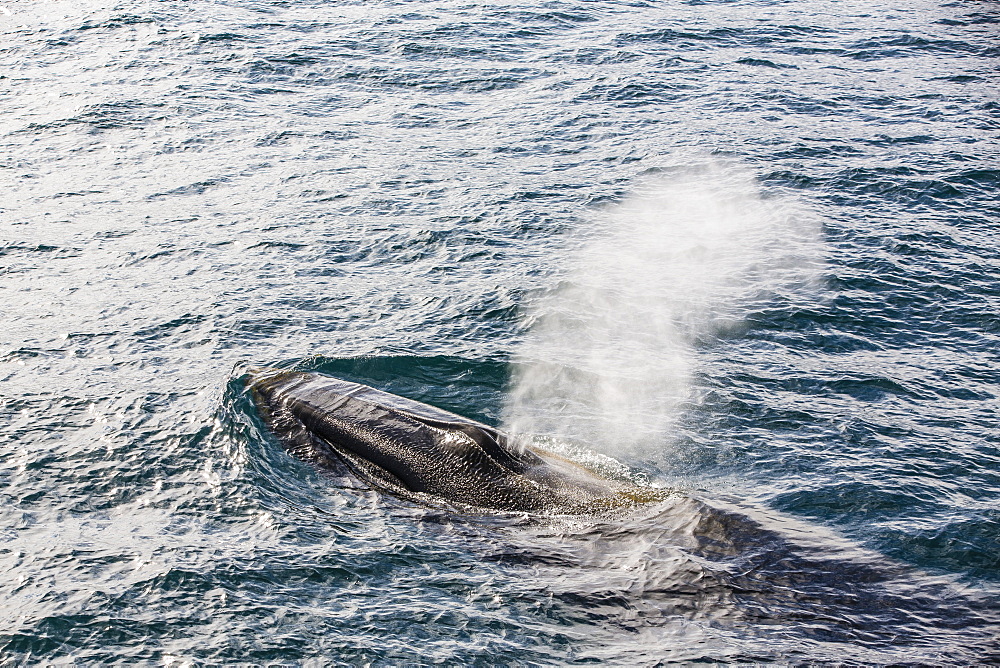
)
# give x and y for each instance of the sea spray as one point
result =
(612, 349)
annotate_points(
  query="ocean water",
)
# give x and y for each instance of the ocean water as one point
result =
(747, 249)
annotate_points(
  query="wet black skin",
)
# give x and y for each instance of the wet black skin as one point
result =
(423, 453)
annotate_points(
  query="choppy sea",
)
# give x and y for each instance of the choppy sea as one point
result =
(749, 250)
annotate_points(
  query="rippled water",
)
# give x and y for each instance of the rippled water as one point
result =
(748, 249)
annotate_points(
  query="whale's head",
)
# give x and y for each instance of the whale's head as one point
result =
(417, 451)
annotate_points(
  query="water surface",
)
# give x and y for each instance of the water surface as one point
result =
(747, 249)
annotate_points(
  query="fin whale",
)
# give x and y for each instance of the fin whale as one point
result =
(425, 454)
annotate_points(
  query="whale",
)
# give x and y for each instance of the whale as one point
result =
(644, 557)
(421, 453)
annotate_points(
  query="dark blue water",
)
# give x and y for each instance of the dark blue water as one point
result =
(748, 250)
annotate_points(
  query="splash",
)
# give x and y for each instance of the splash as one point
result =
(612, 350)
